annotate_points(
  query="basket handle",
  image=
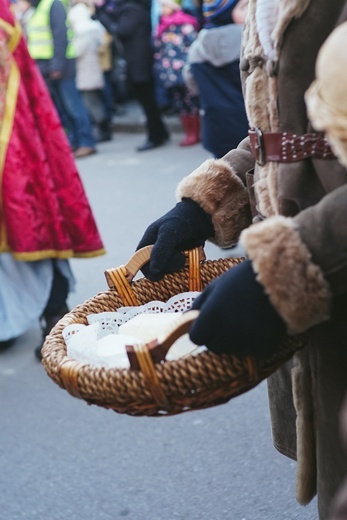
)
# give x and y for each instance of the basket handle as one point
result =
(121, 277)
(157, 349)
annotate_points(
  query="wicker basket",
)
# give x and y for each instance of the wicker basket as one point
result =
(153, 386)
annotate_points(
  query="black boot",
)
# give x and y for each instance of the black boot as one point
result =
(4, 345)
(105, 131)
(47, 323)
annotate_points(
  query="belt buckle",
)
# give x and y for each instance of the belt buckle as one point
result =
(259, 148)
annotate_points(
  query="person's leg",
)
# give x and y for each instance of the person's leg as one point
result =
(66, 121)
(107, 93)
(94, 103)
(162, 95)
(76, 110)
(157, 133)
(188, 108)
(56, 306)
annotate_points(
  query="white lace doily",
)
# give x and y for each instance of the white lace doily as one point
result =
(88, 343)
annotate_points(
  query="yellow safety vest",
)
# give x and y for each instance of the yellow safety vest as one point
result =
(39, 34)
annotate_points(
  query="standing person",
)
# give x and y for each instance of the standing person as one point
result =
(50, 44)
(175, 33)
(88, 36)
(213, 72)
(106, 64)
(130, 21)
(282, 194)
(162, 95)
(45, 217)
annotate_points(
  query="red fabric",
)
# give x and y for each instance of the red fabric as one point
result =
(44, 206)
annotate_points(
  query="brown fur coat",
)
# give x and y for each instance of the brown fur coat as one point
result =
(297, 239)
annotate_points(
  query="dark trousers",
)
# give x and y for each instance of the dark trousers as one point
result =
(58, 295)
(73, 113)
(94, 103)
(145, 94)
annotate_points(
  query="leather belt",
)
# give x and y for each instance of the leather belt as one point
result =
(287, 147)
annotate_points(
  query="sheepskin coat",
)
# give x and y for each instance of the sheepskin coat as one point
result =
(292, 220)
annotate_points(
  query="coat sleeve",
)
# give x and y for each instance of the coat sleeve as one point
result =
(59, 32)
(107, 20)
(310, 250)
(128, 23)
(219, 187)
(301, 261)
(123, 25)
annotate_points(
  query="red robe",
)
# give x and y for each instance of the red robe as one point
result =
(44, 211)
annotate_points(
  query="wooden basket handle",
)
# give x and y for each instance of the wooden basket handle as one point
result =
(144, 356)
(159, 347)
(120, 278)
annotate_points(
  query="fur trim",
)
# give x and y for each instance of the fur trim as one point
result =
(306, 469)
(220, 192)
(272, 105)
(256, 99)
(250, 40)
(296, 286)
(266, 190)
(288, 10)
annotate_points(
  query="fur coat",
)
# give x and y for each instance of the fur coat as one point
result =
(291, 219)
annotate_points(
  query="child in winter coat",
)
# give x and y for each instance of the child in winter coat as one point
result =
(213, 72)
(175, 33)
(89, 36)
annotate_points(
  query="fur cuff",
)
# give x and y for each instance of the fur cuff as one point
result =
(296, 286)
(221, 193)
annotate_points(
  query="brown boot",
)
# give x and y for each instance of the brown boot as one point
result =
(191, 126)
(84, 151)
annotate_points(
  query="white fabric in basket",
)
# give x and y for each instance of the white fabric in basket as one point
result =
(102, 342)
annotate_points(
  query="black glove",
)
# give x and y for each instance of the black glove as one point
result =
(236, 316)
(184, 227)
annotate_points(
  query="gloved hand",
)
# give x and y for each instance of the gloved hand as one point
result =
(184, 227)
(236, 316)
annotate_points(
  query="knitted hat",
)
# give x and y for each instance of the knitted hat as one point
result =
(213, 8)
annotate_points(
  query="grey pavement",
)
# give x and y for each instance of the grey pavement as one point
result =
(61, 459)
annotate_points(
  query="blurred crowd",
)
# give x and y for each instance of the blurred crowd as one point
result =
(96, 55)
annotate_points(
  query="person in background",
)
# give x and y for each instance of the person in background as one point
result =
(50, 44)
(106, 64)
(23, 11)
(45, 216)
(130, 21)
(175, 33)
(162, 95)
(281, 194)
(213, 73)
(88, 36)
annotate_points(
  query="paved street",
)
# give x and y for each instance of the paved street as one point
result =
(61, 459)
